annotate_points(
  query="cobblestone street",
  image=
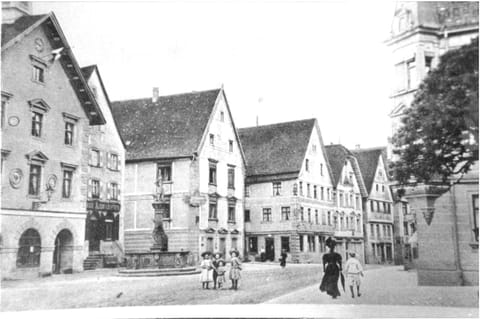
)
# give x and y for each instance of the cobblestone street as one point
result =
(382, 288)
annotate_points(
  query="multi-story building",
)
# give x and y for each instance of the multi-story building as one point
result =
(106, 167)
(289, 201)
(189, 141)
(47, 109)
(421, 33)
(378, 206)
(349, 192)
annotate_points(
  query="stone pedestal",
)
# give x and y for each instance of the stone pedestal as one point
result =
(437, 263)
(160, 239)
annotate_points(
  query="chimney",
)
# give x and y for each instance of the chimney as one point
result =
(12, 10)
(155, 95)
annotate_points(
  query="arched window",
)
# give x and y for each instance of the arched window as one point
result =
(29, 249)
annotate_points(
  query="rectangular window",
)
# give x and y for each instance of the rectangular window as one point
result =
(231, 177)
(378, 206)
(316, 216)
(68, 140)
(322, 195)
(309, 215)
(38, 74)
(329, 218)
(308, 190)
(212, 139)
(4, 110)
(475, 215)
(94, 157)
(222, 116)
(301, 242)
(340, 199)
(285, 213)
(311, 243)
(230, 146)
(301, 214)
(212, 173)
(428, 63)
(277, 188)
(307, 165)
(95, 188)
(67, 184)
(34, 179)
(405, 228)
(267, 214)
(321, 169)
(113, 162)
(285, 243)
(113, 191)
(231, 213)
(164, 171)
(253, 244)
(246, 216)
(315, 191)
(372, 231)
(300, 188)
(212, 212)
(37, 120)
(372, 206)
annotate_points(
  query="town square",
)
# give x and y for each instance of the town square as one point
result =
(231, 159)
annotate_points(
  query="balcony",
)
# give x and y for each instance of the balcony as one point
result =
(380, 216)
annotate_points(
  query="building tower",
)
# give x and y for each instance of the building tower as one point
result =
(12, 10)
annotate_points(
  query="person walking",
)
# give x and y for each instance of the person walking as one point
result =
(353, 271)
(235, 269)
(283, 258)
(332, 266)
(206, 275)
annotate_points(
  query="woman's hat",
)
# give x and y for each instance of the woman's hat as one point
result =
(234, 251)
(218, 254)
(330, 242)
(206, 253)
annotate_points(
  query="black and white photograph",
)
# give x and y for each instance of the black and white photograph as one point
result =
(239, 159)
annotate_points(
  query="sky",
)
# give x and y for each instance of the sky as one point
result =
(277, 60)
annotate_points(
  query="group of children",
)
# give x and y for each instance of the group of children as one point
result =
(214, 270)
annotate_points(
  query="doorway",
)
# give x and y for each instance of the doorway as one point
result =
(63, 252)
(269, 249)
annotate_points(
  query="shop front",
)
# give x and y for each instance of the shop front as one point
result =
(102, 224)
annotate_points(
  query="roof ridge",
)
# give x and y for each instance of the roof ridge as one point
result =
(168, 95)
(276, 124)
(376, 148)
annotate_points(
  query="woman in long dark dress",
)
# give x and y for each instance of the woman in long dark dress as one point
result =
(333, 263)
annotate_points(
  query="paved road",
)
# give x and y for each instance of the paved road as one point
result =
(387, 292)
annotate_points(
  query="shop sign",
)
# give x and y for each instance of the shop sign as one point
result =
(97, 205)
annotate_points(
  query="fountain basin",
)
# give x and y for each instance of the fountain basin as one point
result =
(158, 263)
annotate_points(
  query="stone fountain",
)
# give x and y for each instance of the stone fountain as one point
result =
(159, 261)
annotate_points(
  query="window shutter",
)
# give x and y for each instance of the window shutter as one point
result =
(107, 160)
(89, 189)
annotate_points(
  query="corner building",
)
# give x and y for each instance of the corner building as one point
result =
(190, 141)
(47, 110)
(289, 202)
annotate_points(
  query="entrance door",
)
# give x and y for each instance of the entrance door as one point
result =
(269, 249)
(63, 252)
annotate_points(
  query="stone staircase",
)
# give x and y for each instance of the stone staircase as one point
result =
(100, 260)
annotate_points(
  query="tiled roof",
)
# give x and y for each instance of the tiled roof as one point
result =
(368, 162)
(337, 155)
(170, 128)
(277, 148)
(87, 71)
(11, 30)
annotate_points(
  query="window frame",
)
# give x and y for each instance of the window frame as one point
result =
(285, 213)
(267, 215)
(37, 191)
(212, 173)
(70, 183)
(95, 185)
(231, 176)
(38, 122)
(277, 188)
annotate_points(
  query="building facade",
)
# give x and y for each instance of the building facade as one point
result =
(47, 111)
(421, 33)
(106, 167)
(190, 142)
(348, 218)
(289, 202)
(378, 206)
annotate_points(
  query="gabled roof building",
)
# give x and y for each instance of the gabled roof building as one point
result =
(190, 140)
(378, 206)
(46, 113)
(289, 202)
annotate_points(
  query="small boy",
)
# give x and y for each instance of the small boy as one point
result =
(221, 273)
(353, 271)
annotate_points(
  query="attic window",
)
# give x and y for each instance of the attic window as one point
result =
(222, 116)
(212, 139)
(38, 69)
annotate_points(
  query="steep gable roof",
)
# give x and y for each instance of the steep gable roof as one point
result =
(13, 33)
(368, 162)
(172, 127)
(276, 149)
(337, 155)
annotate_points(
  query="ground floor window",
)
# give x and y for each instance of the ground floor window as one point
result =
(311, 243)
(321, 240)
(301, 242)
(29, 249)
(253, 244)
(285, 241)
